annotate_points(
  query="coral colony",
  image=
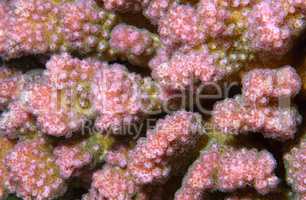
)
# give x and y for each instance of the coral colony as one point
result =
(103, 100)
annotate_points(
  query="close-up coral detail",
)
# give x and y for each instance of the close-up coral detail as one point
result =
(152, 100)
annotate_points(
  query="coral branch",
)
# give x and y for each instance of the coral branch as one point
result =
(227, 169)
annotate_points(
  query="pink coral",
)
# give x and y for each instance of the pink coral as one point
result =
(53, 109)
(85, 27)
(72, 91)
(64, 71)
(117, 97)
(3, 24)
(32, 171)
(70, 159)
(27, 30)
(11, 82)
(183, 69)
(122, 5)
(6, 147)
(112, 183)
(156, 9)
(229, 169)
(268, 29)
(256, 109)
(150, 160)
(262, 85)
(76, 157)
(16, 118)
(234, 116)
(42, 26)
(295, 162)
(125, 38)
(212, 17)
(118, 156)
(180, 26)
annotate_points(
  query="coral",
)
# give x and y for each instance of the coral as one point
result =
(295, 163)
(255, 109)
(64, 71)
(11, 83)
(99, 99)
(15, 120)
(227, 169)
(213, 16)
(112, 183)
(236, 34)
(154, 10)
(180, 25)
(42, 26)
(234, 116)
(72, 91)
(272, 25)
(54, 109)
(33, 172)
(46, 26)
(133, 43)
(72, 157)
(6, 146)
(122, 98)
(150, 161)
(118, 155)
(3, 24)
(184, 69)
(122, 5)
(69, 158)
(269, 26)
(260, 86)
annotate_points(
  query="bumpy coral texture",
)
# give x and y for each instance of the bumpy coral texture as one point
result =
(117, 97)
(180, 25)
(71, 91)
(227, 170)
(32, 171)
(154, 10)
(112, 183)
(234, 32)
(184, 69)
(234, 116)
(260, 86)
(197, 42)
(122, 5)
(269, 26)
(14, 120)
(212, 16)
(64, 71)
(3, 24)
(129, 170)
(295, 162)
(76, 157)
(6, 146)
(150, 160)
(131, 40)
(265, 105)
(11, 82)
(70, 159)
(118, 156)
(53, 108)
(41, 26)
